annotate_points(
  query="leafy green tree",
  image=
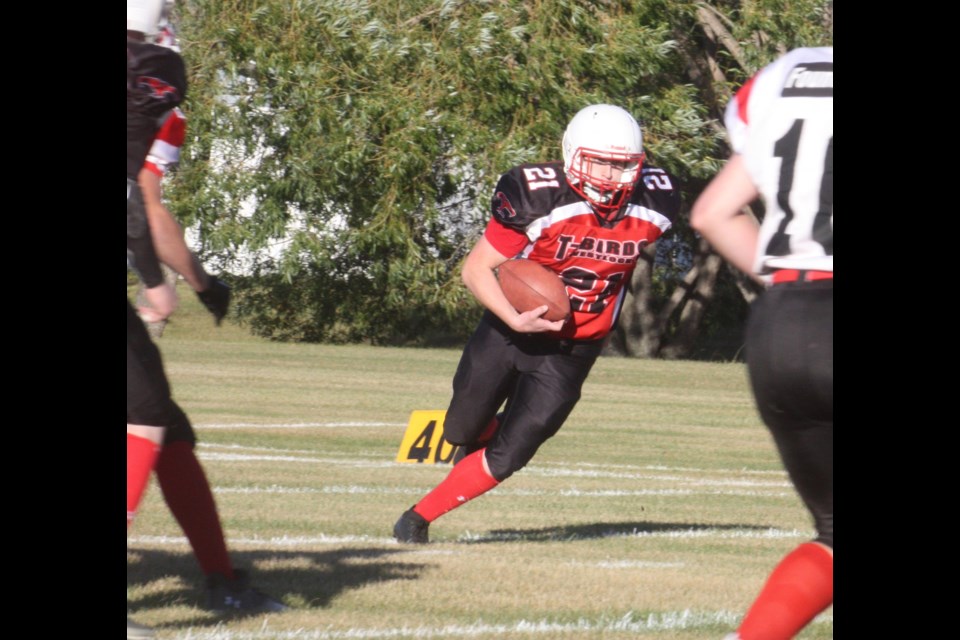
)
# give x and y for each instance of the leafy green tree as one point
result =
(341, 154)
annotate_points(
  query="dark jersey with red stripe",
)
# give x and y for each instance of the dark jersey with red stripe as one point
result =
(537, 215)
(156, 83)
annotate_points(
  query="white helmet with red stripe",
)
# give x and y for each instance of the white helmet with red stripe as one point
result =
(602, 156)
(144, 16)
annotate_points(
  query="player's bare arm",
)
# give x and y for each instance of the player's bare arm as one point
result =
(719, 217)
(167, 235)
(479, 277)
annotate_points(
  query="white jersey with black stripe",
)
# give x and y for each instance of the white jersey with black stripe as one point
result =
(781, 121)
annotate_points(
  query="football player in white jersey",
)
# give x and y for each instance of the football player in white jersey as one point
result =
(781, 129)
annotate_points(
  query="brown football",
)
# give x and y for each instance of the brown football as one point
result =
(528, 285)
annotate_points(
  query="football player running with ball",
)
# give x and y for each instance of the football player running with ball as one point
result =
(588, 219)
(781, 130)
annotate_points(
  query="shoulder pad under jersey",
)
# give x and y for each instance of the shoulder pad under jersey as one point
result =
(528, 192)
(659, 191)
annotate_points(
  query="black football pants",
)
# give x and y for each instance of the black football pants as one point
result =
(539, 377)
(148, 392)
(790, 362)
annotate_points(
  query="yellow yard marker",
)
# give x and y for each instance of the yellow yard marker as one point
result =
(423, 441)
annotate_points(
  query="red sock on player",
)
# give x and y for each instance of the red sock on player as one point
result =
(799, 588)
(187, 492)
(466, 481)
(141, 456)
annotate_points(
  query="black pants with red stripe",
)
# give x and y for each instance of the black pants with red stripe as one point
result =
(790, 362)
(539, 377)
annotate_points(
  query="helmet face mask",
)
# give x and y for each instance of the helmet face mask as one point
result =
(603, 154)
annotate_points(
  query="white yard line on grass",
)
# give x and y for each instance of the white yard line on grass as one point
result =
(580, 469)
(283, 450)
(531, 470)
(296, 425)
(243, 457)
(286, 542)
(630, 623)
(659, 467)
(582, 473)
(628, 564)
(499, 491)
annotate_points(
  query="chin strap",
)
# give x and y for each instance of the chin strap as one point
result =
(595, 195)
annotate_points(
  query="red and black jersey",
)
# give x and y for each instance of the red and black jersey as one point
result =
(537, 215)
(164, 153)
(156, 83)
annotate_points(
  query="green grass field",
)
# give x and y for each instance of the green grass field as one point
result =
(657, 511)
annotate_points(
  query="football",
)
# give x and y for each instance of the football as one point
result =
(528, 285)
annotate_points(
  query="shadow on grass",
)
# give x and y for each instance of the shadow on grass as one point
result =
(596, 530)
(316, 579)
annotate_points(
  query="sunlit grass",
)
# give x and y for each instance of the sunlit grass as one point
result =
(657, 511)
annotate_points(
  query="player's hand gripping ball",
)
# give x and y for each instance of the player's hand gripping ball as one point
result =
(528, 285)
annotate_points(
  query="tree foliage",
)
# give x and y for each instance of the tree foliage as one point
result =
(341, 154)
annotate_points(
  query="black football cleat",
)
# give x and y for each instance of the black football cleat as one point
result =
(412, 528)
(237, 595)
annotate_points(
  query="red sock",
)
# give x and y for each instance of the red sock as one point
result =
(466, 481)
(188, 494)
(141, 456)
(799, 588)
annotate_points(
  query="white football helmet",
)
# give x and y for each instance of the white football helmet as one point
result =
(602, 156)
(144, 16)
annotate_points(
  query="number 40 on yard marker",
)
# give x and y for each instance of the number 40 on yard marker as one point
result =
(423, 441)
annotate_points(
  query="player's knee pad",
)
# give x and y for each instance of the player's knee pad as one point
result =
(462, 431)
(506, 459)
(503, 463)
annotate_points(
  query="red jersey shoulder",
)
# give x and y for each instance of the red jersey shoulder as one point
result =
(530, 191)
(174, 128)
(164, 153)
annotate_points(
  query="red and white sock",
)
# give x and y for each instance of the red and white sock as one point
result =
(466, 481)
(799, 588)
(141, 456)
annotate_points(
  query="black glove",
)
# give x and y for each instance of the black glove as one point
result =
(216, 298)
